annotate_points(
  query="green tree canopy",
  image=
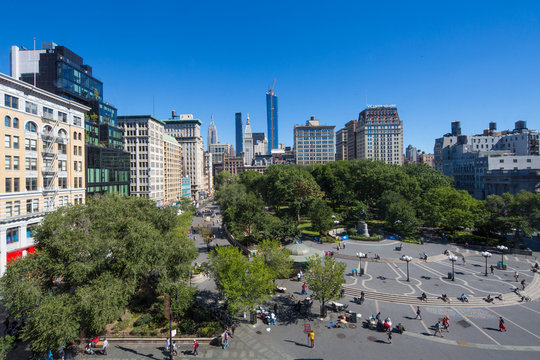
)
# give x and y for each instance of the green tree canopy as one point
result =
(276, 258)
(325, 276)
(321, 216)
(91, 262)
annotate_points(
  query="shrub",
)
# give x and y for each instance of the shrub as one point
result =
(121, 325)
(140, 330)
(186, 327)
(206, 332)
(143, 320)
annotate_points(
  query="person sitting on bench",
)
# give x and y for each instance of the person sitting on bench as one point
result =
(424, 296)
(445, 298)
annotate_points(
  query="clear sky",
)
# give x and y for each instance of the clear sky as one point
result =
(438, 61)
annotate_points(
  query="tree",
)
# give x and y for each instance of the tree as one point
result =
(356, 213)
(245, 217)
(7, 343)
(244, 283)
(280, 229)
(398, 213)
(325, 277)
(222, 178)
(92, 261)
(320, 215)
(276, 258)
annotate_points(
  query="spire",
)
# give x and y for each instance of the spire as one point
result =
(211, 119)
(247, 119)
(247, 132)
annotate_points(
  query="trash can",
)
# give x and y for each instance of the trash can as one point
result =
(361, 271)
(253, 318)
(353, 317)
(450, 276)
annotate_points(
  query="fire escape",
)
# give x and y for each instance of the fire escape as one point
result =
(49, 137)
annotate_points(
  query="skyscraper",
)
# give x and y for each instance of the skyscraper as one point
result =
(212, 133)
(59, 70)
(314, 143)
(379, 134)
(272, 118)
(248, 144)
(239, 137)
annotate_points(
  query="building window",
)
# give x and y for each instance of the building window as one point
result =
(62, 148)
(77, 121)
(16, 184)
(7, 162)
(30, 126)
(12, 235)
(15, 142)
(62, 183)
(16, 208)
(31, 164)
(11, 101)
(9, 208)
(48, 113)
(8, 183)
(15, 123)
(32, 206)
(29, 230)
(30, 108)
(7, 141)
(62, 117)
(15, 163)
(31, 184)
(7, 121)
(30, 144)
(515, 160)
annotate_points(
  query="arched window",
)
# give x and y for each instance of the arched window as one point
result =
(7, 121)
(75, 135)
(63, 134)
(16, 123)
(47, 130)
(30, 126)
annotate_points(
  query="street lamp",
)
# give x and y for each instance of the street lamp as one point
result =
(170, 321)
(502, 248)
(486, 255)
(408, 259)
(360, 256)
(453, 259)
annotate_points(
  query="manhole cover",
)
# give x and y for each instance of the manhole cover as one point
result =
(463, 323)
(258, 332)
(352, 326)
(435, 284)
(372, 338)
(384, 282)
(480, 279)
(340, 336)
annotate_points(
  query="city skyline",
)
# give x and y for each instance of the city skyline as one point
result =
(438, 64)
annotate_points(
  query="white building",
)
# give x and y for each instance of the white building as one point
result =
(143, 139)
(248, 144)
(187, 131)
(212, 137)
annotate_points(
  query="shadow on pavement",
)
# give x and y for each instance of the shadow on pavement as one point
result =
(297, 343)
(150, 356)
(492, 329)
(290, 313)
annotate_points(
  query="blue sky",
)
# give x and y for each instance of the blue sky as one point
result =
(473, 61)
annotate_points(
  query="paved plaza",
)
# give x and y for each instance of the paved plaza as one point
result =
(473, 331)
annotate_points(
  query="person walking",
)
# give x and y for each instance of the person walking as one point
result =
(225, 340)
(446, 323)
(389, 335)
(502, 327)
(418, 313)
(275, 308)
(438, 329)
(233, 327)
(195, 347)
(304, 289)
(516, 276)
(105, 344)
(491, 268)
(312, 338)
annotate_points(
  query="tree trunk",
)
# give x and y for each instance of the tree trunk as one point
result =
(323, 308)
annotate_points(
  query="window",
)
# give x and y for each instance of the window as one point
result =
(75, 166)
(9, 208)
(30, 144)
(7, 121)
(15, 163)
(8, 185)
(16, 182)
(30, 164)
(15, 123)
(528, 160)
(32, 206)
(62, 148)
(62, 117)
(62, 165)
(7, 141)
(16, 208)
(29, 229)
(515, 160)
(30, 126)
(7, 162)
(77, 121)
(48, 113)
(75, 150)
(30, 108)
(15, 142)
(62, 183)
(31, 184)
(11, 101)
(12, 235)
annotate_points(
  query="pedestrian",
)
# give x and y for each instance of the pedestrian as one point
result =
(502, 327)
(233, 327)
(195, 347)
(516, 276)
(389, 335)
(523, 284)
(343, 246)
(298, 277)
(304, 289)
(312, 338)
(463, 258)
(105, 344)
(491, 268)
(226, 340)
(275, 308)
(174, 348)
(438, 329)
(418, 313)
(446, 323)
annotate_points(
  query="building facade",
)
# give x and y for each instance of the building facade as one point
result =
(272, 120)
(172, 167)
(143, 140)
(212, 137)
(239, 128)
(350, 127)
(217, 151)
(314, 143)
(43, 161)
(341, 144)
(379, 134)
(248, 144)
(58, 70)
(187, 131)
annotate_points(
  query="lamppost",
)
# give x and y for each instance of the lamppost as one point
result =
(486, 255)
(168, 311)
(502, 248)
(453, 259)
(408, 259)
(360, 256)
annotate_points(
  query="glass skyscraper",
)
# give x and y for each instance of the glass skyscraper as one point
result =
(239, 137)
(272, 119)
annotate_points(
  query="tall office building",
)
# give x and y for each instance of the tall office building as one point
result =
(59, 70)
(350, 127)
(187, 131)
(341, 144)
(248, 144)
(272, 120)
(42, 161)
(239, 129)
(212, 133)
(260, 144)
(314, 143)
(143, 140)
(379, 134)
(172, 168)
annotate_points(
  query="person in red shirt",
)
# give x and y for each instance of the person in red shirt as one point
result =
(195, 348)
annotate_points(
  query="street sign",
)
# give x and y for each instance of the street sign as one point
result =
(167, 306)
(173, 333)
(345, 237)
